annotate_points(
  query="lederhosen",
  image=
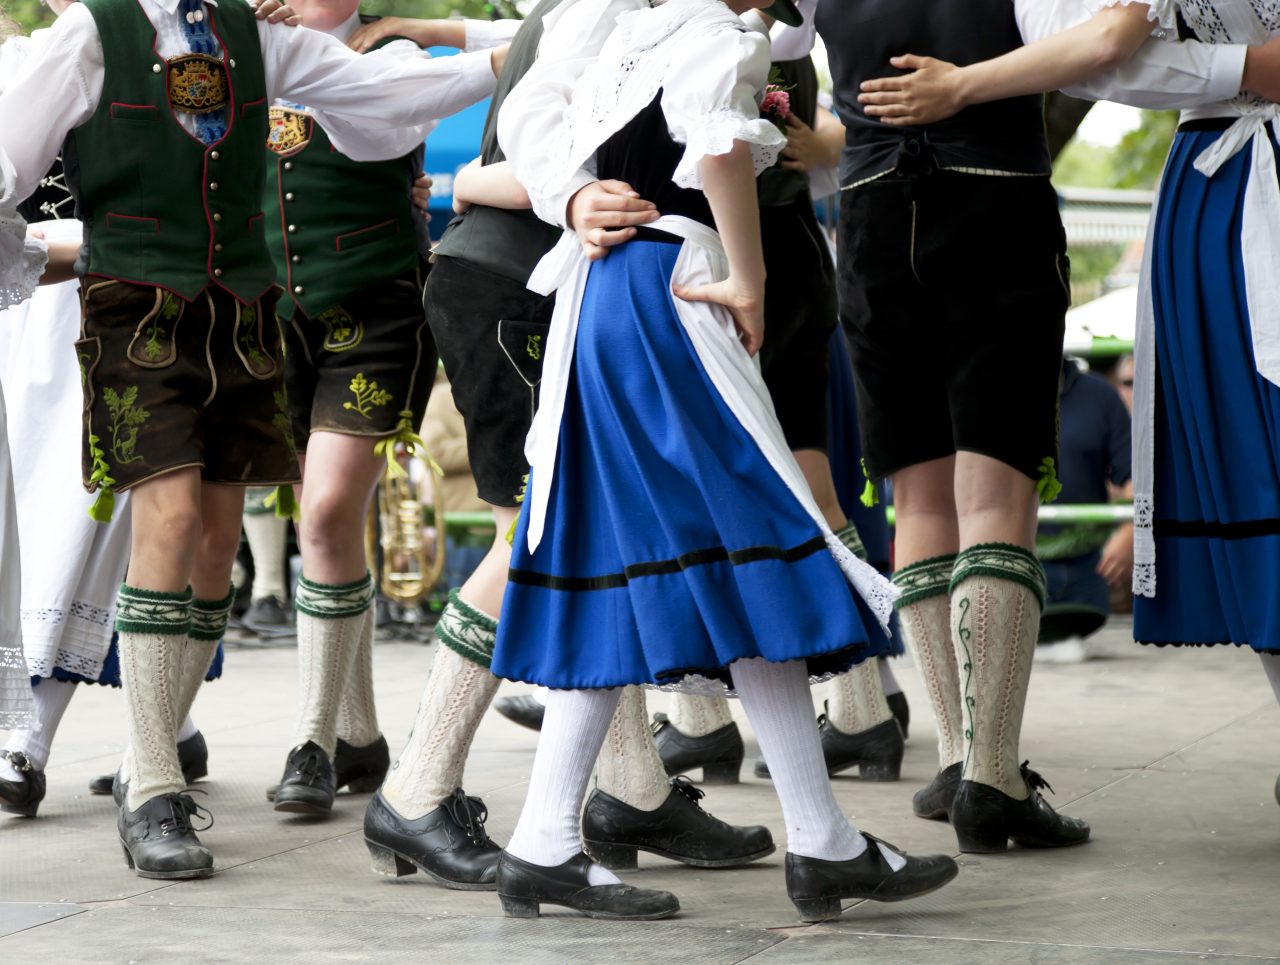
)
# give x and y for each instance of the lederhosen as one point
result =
(179, 348)
(360, 359)
(952, 258)
(799, 296)
(490, 328)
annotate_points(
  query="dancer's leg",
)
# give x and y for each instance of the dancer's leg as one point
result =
(51, 698)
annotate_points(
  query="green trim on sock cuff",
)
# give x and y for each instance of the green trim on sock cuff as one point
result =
(153, 611)
(924, 579)
(1003, 561)
(467, 631)
(334, 601)
(848, 535)
(209, 618)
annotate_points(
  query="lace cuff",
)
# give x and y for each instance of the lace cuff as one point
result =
(1164, 13)
(714, 135)
(22, 261)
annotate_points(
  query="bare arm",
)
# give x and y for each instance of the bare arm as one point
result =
(729, 182)
(935, 89)
(489, 184)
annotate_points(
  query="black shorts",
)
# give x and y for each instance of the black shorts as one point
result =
(492, 333)
(357, 366)
(170, 384)
(953, 292)
(799, 317)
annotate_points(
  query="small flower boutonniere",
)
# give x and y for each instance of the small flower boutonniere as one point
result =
(776, 105)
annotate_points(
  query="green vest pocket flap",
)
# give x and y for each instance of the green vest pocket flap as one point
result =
(134, 112)
(354, 239)
(135, 223)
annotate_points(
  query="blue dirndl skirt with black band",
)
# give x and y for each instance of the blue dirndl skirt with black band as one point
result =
(672, 547)
(1216, 518)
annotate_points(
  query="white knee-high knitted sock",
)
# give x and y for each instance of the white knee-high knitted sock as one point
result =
(776, 699)
(357, 713)
(330, 618)
(629, 767)
(267, 534)
(859, 702)
(699, 716)
(1270, 664)
(458, 692)
(51, 698)
(888, 682)
(549, 831)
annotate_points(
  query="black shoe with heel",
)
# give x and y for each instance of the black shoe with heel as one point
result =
(986, 819)
(817, 887)
(449, 843)
(876, 752)
(193, 758)
(523, 710)
(22, 797)
(360, 769)
(307, 786)
(933, 801)
(159, 841)
(613, 832)
(719, 753)
(524, 887)
(901, 711)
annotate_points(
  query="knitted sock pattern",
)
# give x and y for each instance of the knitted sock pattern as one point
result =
(629, 767)
(357, 713)
(696, 716)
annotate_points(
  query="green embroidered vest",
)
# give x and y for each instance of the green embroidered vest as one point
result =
(337, 226)
(159, 207)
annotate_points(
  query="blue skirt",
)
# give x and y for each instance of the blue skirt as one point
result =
(671, 546)
(1217, 433)
(110, 676)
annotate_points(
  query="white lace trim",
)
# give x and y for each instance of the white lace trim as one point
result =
(75, 639)
(1144, 545)
(22, 259)
(714, 135)
(16, 707)
(1163, 13)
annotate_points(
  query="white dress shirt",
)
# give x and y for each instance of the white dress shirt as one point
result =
(370, 105)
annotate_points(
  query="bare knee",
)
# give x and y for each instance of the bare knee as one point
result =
(332, 521)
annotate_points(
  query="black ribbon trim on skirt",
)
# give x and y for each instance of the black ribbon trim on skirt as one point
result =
(716, 554)
(1201, 529)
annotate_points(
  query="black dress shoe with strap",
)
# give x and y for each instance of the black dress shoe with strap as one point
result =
(986, 818)
(449, 843)
(876, 752)
(524, 887)
(361, 769)
(193, 758)
(159, 840)
(308, 785)
(613, 832)
(933, 801)
(817, 887)
(22, 797)
(719, 753)
(901, 711)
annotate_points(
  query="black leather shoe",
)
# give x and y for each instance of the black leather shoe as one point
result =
(613, 832)
(193, 757)
(22, 797)
(523, 710)
(719, 753)
(986, 818)
(361, 770)
(522, 887)
(449, 844)
(933, 801)
(158, 839)
(876, 752)
(307, 786)
(816, 887)
(901, 711)
(269, 617)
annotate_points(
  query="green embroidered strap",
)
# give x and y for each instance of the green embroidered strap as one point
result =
(1003, 561)
(919, 581)
(848, 534)
(466, 631)
(1047, 486)
(413, 446)
(209, 617)
(153, 611)
(332, 601)
(870, 495)
(104, 506)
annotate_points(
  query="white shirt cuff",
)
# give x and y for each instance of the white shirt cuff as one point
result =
(483, 34)
(1226, 70)
(555, 209)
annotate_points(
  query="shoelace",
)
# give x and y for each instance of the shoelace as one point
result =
(182, 808)
(1034, 780)
(468, 813)
(308, 767)
(687, 788)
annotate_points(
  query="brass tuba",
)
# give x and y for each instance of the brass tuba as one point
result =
(409, 569)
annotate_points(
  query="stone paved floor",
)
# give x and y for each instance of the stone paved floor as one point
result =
(1172, 755)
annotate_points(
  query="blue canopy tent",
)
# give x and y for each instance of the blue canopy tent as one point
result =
(451, 146)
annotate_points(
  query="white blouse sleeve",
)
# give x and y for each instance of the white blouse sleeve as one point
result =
(710, 98)
(1163, 13)
(22, 258)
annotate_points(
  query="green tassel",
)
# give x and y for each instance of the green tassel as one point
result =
(511, 532)
(1047, 486)
(413, 446)
(104, 506)
(284, 502)
(870, 495)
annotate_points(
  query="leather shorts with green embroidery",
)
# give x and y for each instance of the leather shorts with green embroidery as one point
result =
(170, 384)
(357, 366)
